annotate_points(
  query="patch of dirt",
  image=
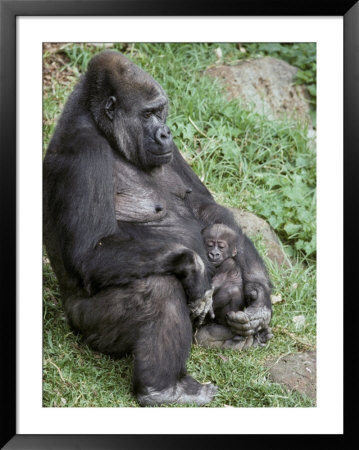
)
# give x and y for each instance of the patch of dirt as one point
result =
(296, 372)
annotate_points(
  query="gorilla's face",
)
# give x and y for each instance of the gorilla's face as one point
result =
(131, 109)
(157, 146)
(219, 241)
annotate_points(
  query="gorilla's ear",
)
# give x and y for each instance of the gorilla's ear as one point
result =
(234, 252)
(110, 107)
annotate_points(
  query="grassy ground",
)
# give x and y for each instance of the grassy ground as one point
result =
(264, 166)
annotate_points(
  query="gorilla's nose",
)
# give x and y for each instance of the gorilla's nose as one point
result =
(163, 135)
(213, 255)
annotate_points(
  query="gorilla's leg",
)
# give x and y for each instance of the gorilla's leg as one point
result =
(162, 350)
(150, 318)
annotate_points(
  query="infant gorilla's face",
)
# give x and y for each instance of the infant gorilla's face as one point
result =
(219, 241)
(217, 251)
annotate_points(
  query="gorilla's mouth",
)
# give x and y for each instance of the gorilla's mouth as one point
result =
(159, 150)
(161, 153)
(158, 155)
(216, 263)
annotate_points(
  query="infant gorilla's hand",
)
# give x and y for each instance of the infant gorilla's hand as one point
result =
(200, 307)
(253, 320)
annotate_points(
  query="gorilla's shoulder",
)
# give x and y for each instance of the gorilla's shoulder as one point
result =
(80, 138)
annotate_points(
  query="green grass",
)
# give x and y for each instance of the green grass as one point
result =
(247, 161)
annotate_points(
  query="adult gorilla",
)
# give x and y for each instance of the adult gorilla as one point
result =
(123, 215)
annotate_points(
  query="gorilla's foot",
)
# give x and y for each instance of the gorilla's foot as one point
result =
(213, 335)
(219, 336)
(263, 336)
(186, 391)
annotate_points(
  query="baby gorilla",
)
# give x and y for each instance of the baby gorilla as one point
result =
(220, 244)
(228, 294)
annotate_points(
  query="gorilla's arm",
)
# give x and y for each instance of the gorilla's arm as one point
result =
(202, 202)
(257, 286)
(79, 214)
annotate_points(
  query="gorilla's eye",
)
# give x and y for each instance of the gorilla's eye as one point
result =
(221, 245)
(148, 114)
(209, 244)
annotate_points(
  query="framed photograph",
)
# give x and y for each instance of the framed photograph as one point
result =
(45, 48)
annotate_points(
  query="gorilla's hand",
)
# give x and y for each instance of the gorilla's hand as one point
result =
(200, 307)
(253, 320)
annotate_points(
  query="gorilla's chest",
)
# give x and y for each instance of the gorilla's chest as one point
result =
(141, 197)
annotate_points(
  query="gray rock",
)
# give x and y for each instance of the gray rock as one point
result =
(253, 225)
(267, 85)
(297, 372)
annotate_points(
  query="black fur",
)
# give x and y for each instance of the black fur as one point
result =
(123, 215)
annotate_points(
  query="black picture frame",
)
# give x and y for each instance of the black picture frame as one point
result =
(9, 10)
